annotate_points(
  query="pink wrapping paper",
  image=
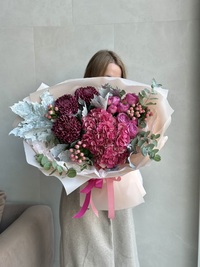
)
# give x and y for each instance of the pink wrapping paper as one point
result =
(129, 191)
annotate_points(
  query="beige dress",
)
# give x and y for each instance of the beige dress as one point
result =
(96, 242)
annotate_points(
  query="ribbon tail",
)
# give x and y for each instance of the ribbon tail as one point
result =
(111, 204)
(84, 207)
(94, 209)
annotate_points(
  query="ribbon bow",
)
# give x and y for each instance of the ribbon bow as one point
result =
(92, 183)
(98, 183)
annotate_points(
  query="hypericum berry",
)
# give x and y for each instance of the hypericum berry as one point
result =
(52, 113)
(77, 153)
(137, 111)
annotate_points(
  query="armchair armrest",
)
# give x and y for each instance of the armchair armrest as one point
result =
(29, 240)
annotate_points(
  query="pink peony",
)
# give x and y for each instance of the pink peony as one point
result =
(67, 129)
(112, 109)
(133, 128)
(86, 93)
(113, 100)
(121, 107)
(131, 124)
(131, 99)
(66, 104)
(123, 117)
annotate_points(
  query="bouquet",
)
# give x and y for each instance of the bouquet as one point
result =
(95, 133)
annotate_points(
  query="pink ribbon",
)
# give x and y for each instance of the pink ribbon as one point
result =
(111, 199)
(92, 183)
(98, 183)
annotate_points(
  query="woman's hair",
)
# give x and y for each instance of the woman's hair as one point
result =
(98, 64)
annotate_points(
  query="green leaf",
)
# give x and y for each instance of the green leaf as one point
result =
(122, 92)
(71, 173)
(155, 151)
(141, 142)
(150, 103)
(134, 142)
(59, 169)
(142, 124)
(39, 157)
(54, 164)
(47, 166)
(154, 142)
(157, 136)
(144, 151)
(157, 157)
(152, 136)
(142, 133)
(147, 90)
(44, 160)
(155, 84)
(146, 133)
(141, 99)
(150, 147)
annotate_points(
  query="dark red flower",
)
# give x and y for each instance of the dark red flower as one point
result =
(67, 129)
(86, 93)
(67, 104)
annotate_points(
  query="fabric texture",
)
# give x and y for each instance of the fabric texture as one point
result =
(28, 241)
(2, 203)
(91, 241)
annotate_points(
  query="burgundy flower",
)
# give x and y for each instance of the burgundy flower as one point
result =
(131, 99)
(67, 104)
(67, 129)
(86, 93)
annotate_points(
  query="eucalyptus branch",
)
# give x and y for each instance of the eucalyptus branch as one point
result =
(147, 142)
(53, 166)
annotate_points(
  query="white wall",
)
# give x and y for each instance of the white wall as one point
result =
(51, 41)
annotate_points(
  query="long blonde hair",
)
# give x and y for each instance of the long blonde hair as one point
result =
(98, 64)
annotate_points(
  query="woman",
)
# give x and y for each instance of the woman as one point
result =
(91, 241)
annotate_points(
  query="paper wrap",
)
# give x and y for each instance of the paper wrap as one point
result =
(129, 191)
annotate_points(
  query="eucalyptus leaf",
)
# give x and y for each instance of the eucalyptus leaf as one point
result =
(141, 142)
(150, 147)
(44, 160)
(71, 173)
(47, 166)
(59, 169)
(150, 103)
(157, 157)
(144, 151)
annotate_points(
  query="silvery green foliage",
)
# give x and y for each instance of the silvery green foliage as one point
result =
(100, 102)
(56, 150)
(104, 90)
(107, 88)
(34, 125)
(84, 111)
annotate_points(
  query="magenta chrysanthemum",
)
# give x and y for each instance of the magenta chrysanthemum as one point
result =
(86, 93)
(67, 104)
(67, 129)
(105, 138)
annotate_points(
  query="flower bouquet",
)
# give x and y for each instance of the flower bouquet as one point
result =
(95, 133)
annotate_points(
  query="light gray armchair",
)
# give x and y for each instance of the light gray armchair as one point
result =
(26, 236)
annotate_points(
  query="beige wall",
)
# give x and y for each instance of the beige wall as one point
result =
(51, 41)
